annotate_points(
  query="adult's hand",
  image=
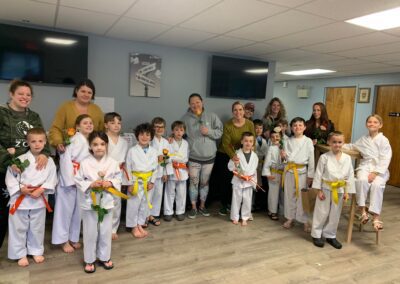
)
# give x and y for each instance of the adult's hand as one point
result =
(41, 162)
(204, 130)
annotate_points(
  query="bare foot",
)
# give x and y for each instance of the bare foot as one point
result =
(136, 233)
(143, 231)
(235, 222)
(244, 222)
(67, 248)
(23, 262)
(76, 245)
(114, 236)
(288, 224)
(307, 228)
(38, 258)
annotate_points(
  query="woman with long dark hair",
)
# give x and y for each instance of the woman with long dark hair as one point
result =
(319, 126)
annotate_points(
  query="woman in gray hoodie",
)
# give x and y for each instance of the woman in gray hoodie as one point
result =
(203, 129)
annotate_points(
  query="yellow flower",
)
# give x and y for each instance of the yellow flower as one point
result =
(165, 152)
(71, 132)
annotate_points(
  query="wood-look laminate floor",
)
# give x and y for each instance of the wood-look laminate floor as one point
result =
(212, 250)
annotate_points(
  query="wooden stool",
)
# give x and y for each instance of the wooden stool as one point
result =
(377, 233)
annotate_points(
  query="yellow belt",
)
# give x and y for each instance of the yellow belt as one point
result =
(144, 176)
(273, 170)
(294, 167)
(111, 190)
(334, 185)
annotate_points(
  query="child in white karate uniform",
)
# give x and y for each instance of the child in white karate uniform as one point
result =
(28, 201)
(117, 149)
(67, 219)
(260, 198)
(373, 170)
(175, 190)
(298, 173)
(98, 181)
(141, 164)
(244, 179)
(334, 179)
(273, 170)
(159, 143)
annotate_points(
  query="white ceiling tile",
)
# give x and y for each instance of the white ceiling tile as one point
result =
(319, 35)
(280, 25)
(352, 43)
(288, 3)
(345, 9)
(221, 44)
(255, 49)
(344, 62)
(231, 14)
(395, 31)
(291, 54)
(364, 66)
(182, 37)
(136, 30)
(36, 13)
(169, 12)
(53, 2)
(116, 7)
(84, 21)
(371, 50)
(389, 57)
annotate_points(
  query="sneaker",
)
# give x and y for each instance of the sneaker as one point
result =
(223, 211)
(168, 218)
(180, 217)
(334, 242)
(204, 212)
(192, 213)
(318, 242)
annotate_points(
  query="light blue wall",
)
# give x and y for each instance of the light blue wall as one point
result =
(303, 107)
(183, 72)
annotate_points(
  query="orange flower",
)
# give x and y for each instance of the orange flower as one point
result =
(165, 152)
(71, 132)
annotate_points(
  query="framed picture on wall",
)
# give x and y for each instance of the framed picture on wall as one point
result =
(145, 75)
(364, 95)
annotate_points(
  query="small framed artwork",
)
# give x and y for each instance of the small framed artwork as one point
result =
(364, 95)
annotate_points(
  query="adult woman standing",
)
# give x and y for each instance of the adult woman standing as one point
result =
(202, 129)
(230, 142)
(319, 126)
(67, 113)
(15, 120)
(273, 113)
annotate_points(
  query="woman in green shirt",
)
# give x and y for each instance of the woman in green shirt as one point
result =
(230, 142)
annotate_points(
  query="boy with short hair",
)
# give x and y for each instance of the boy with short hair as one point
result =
(28, 190)
(117, 149)
(261, 150)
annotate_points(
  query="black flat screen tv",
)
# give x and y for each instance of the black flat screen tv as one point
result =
(238, 78)
(42, 56)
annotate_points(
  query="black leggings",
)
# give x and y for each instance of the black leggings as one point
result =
(4, 198)
(222, 178)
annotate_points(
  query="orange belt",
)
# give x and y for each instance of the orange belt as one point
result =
(247, 178)
(123, 169)
(76, 166)
(178, 166)
(22, 197)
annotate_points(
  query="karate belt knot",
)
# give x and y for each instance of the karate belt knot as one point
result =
(178, 166)
(294, 167)
(247, 178)
(144, 176)
(333, 187)
(277, 171)
(111, 190)
(76, 166)
(19, 200)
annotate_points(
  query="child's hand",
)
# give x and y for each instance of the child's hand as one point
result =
(203, 130)
(15, 169)
(309, 181)
(37, 192)
(164, 178)
(371, 177)
(170, 139)
(314, 141)
(61, 148)
(106, 184)
(150, 186)
(270, 177)
(345, 196)
(130, 188)
(235, 159)
(160, 158)
(25, 190)
(11, 151)
(321, 195)
(236, 163)
(283, 154)
(97, 183)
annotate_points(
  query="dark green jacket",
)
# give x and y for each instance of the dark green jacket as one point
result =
(13, 128)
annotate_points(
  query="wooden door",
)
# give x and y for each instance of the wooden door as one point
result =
(339, 104)
(387, 102)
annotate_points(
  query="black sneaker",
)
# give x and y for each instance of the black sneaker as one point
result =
(334, 242)
(180, 217)
(192, 213)
(223, 211)
(204, 212)
(168, 218)
(318, 242)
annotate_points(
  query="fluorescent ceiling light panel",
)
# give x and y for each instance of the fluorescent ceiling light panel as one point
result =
(256, 71)
(379, 21)
(308, 72)
(60, 41)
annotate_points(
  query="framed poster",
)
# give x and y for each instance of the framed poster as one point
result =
(145, 75)
(364, 95)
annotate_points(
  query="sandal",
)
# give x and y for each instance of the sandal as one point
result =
(274, 216)
(106, 264)
(155, 222)
(378, 225)
(90, 270)
(364, 218)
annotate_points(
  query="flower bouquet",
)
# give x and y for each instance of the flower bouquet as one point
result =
(67, 135)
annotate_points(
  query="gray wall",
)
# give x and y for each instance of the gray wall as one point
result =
(183, 72)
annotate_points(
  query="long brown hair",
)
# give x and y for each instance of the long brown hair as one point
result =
(323, 120)
(282, 111)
